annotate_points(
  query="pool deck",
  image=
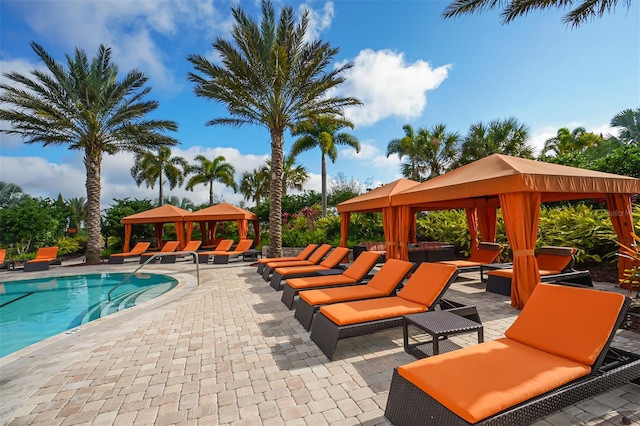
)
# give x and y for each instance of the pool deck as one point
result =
(229, 352)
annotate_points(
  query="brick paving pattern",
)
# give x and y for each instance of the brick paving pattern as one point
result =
(229, 352)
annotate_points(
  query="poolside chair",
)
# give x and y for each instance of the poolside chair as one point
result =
(193, 245)
(554, 264)
(422, 292)
(383, 283)
(485, 254)
(303, 255)
(223, 256)
(45, 256)
(352, 275)
(314, 259)
(118, 258)
(556, 353)
(223, 245)
(3, 262)
(168, 247)
(330, 262)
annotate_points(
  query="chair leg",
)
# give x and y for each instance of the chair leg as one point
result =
(260, 268)
(266, 273)
(203, 259)
(168, 259)
(221, 259)
(325, 334)
(276, 280)
(288, 296)
(304, 313)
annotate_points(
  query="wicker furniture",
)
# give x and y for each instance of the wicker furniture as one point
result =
(486, 253)
(440, 325)
(340, 320)
(45, 256)
(223, 245)
(118, 258)
(330, 262)
(222, 257)
(543, 363)
(314, 259)
(303, 255)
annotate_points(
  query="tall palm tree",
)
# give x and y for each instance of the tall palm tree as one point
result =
(78, 210)
(508, 137)
(566, 141)
(87, 108)
(209, 171)
(294, 175)
(183, 203)
(412, 146)
(272, 77)
(11, 194)
(629, 121)
(153, 167)
(584, 10)
(254, 185)
(441, 149)
(323, 132)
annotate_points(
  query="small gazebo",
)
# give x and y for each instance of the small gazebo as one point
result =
(209, 217)
(158, 217)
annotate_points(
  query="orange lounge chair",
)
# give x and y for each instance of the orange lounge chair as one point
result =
(118, 258)
(383, 283)
(223, 256)
(330, 262)
(421, 293)
(314, 259)
(303, 255)
(485, 254)
(554, 263)
(45, 256)
(223, 245)
(3, 262)
(556, 353)
(352, 275)
(168, 247)
(190, 246)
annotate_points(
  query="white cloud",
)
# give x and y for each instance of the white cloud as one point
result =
(366, 151)
(389, 86)
(319, 20)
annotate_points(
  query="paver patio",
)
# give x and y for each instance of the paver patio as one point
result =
(229, 352)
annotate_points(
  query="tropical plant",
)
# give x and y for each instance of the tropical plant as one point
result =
(271, 76)
(509, 137)
(183, 203)
(631, 278)
(113, 228)
(583, 12)
(293, 175)
(411, 147)
(87, 108)
(342, 189)
(11, 194)
(254, 185)
(323, 132)
(33, 223)
(441, 149)
(153, 167)
(629, 122)
(77, 212)
(209, 171)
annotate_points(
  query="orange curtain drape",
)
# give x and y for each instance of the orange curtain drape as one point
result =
(487, 215)
(189, 226)
(390, 226)
(159, 230)
(243, 228)
(521, 214)
(203, 234)
(256, 229)
(127, 238)
(406, 225)
(472, 224)
(180, 234)
(344, 228)
(619, 206)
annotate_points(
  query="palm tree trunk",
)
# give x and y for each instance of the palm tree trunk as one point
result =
(92, 162)
(161, 201)
(211, 193)
(275, 211)
(324, 186)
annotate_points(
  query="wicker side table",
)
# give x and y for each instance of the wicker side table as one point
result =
(440, 325)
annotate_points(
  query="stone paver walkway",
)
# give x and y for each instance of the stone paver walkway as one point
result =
(229, 352)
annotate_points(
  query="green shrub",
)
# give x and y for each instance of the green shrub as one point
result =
(67, 245)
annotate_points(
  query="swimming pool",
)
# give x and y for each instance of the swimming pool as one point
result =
(33, 310)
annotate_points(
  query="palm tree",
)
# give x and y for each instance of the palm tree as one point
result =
(271, 76)
(508, 137)
(151, 167)
(629, 121)
(85, 107)
(441, 149)
(293, 175)
(567, 141)
(209, 171)
(323, 132)
(254, 185)
(412, 146)
(583, 12)
(183, 203)
(78, 210)
(10, 195)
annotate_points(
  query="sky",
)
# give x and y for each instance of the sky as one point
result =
(411, 66)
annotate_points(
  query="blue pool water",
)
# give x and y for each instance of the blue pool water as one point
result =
(32, 310)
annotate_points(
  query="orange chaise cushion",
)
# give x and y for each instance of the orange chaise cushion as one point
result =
(427, 282)
(390, 275)
(479, 381)
(581, 319)
(334, 258)
(46, 253)
(301, 256)
(302, 269)
(319, 281)
(552, 262)
(508, 273)
(370, 310)
(340, 294)
(286, 264)
(361, 265)
(484, 256)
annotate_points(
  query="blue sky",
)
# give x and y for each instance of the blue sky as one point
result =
(411, 66)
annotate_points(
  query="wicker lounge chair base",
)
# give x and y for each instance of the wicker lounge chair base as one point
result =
(39, 265)
(304, 313)
(326, 333)
(502, 285)
(409, 405)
